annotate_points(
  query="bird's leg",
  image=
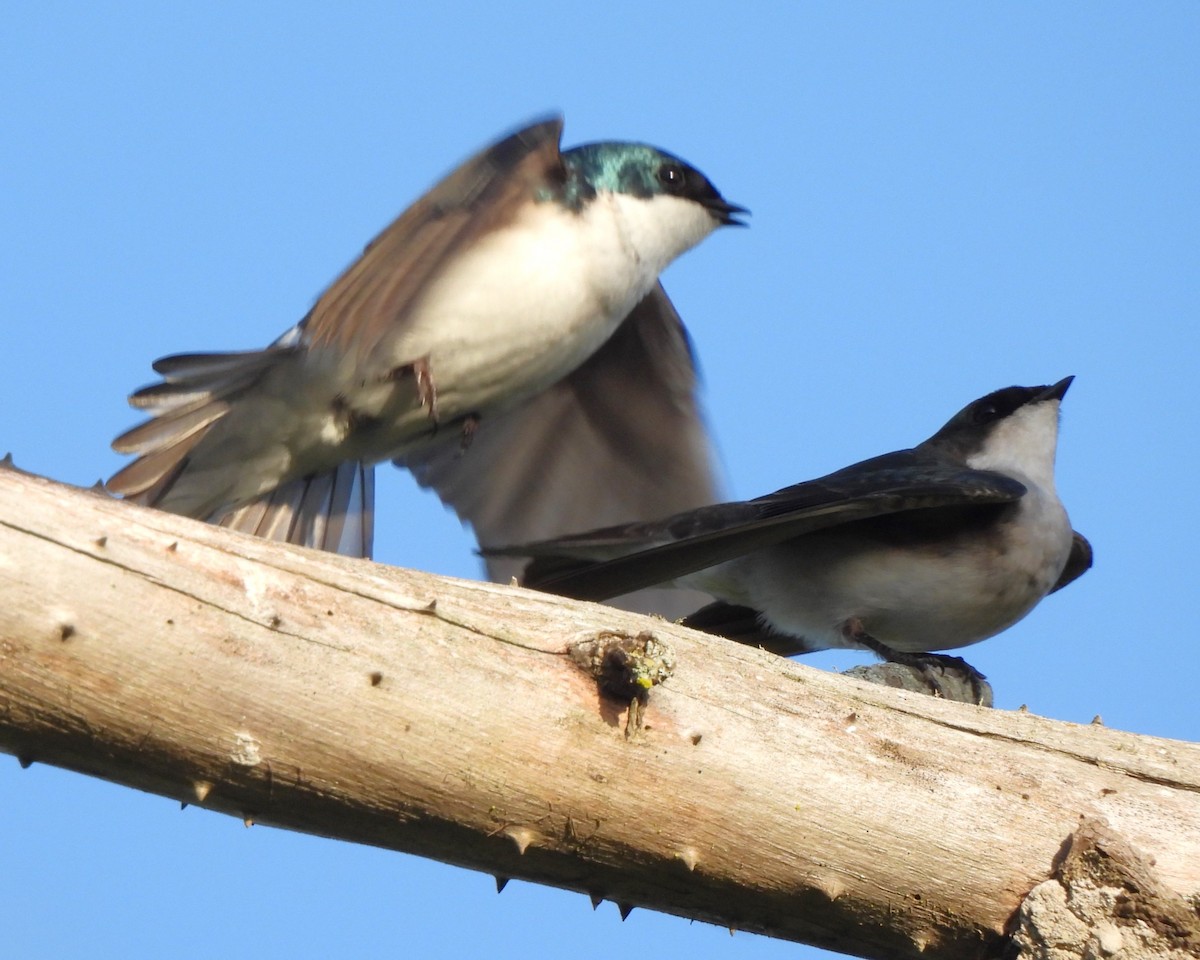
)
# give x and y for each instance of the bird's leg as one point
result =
(420, 371)
(426, 390)
(927, 663)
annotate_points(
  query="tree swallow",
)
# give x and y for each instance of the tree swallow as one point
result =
(506, 338)
(931, 548)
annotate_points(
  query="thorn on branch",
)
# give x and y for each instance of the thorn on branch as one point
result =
(521, 836)
(831, 887)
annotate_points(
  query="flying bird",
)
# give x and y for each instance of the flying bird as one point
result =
(926, 549)
(506, 338)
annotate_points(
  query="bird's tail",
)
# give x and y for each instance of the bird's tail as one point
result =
(196, 392)
(329, 511)
(332, 511)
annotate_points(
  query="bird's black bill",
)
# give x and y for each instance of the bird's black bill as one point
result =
(1058, 391)
(724, 211)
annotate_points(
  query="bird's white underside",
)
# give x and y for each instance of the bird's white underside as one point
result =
(529, 303)
(918, 599)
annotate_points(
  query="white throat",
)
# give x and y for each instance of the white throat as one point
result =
(655, 230)
(1023, 445)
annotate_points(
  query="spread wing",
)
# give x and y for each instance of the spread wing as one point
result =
(368, 303)
(371, 300)
(655, 553)
(621, 438)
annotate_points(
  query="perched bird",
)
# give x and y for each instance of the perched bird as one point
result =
(926, 549)
(506, 338)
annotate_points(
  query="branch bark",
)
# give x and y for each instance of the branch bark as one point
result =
(446, 718)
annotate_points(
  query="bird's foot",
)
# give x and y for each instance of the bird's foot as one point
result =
(426, 389)
(937, 669)
(420, 371)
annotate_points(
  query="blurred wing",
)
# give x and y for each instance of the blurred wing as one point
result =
(366, 304)
(371, 300)
(620, 439)
(686, 543)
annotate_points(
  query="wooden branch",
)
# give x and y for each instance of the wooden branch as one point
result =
(446, 718)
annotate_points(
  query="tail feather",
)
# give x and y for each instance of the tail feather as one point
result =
(167, 430)
(152, 474)
(200, 367)
(332, 511)
(177, 397)
(349, 524)
(197, 392)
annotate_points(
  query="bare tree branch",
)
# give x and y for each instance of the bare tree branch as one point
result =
(447, 718)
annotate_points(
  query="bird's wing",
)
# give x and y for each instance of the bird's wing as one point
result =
(370, 301)
(622, 438)
(367, 303)
(656, 553)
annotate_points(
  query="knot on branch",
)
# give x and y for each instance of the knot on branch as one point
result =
(625, 666)
(1103, 899)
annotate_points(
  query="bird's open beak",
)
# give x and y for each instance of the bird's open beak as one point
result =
(724, 212)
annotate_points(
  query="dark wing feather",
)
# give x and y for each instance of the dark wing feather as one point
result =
(702, 538)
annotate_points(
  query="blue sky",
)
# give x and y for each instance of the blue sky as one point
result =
(948, 198)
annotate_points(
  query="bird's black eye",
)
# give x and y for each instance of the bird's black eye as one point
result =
(673, 177)
(985, 411)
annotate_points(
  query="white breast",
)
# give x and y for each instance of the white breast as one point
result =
(531, 302)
